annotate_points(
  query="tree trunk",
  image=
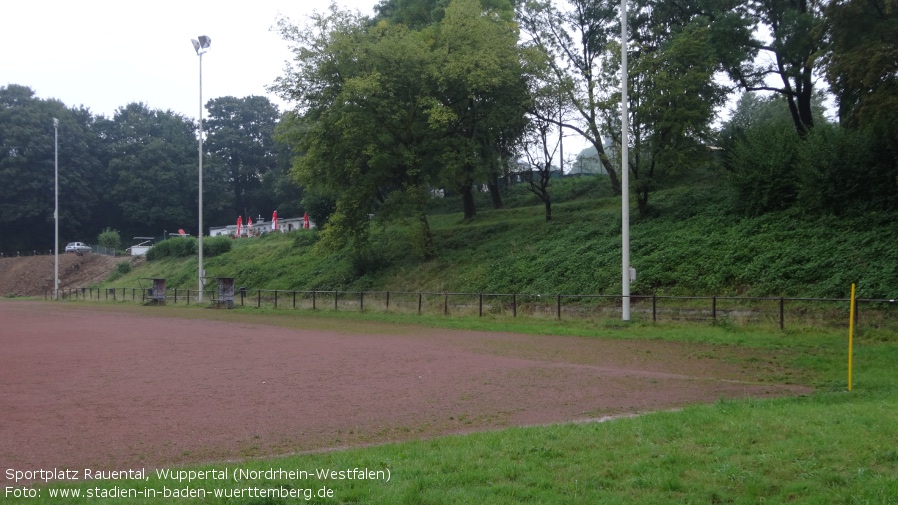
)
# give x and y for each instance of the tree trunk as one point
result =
(606, 162)
(467, 199)
(493, 186)
(548, 203)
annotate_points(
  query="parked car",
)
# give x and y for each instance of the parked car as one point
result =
(78, 247)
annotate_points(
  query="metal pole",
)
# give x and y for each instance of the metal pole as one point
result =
(56, 208)
(625, 169)
(200, 231)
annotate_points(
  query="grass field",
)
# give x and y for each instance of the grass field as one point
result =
(832, 446)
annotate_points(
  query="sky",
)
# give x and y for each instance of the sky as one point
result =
(106, 54)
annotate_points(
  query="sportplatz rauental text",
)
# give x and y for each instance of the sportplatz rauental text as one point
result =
(237, 475)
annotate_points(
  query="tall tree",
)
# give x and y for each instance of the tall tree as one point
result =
(576, 37)
(785, 63)
(240, 138)
(364, 97)
(673, 94)
(482, 91)
(862, 65)
(27, 167)
(154, 163)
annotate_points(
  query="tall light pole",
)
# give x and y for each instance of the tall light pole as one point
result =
(56, 208)
(625, 170)
(201, 46)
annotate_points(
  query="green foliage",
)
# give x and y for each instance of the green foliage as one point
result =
(763, 169)
(183, 247)
(216, 246)
(177, 247)
(28, 171)
(241, 143)
(121, 269)
(110, 239)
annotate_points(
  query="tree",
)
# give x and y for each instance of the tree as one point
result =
(539, 151)
(27, 164)
(576, 42)
(482, 90)
(673, 96)
(154, 163)
(110, 239)
(790, 56)
(862, 67)
(384, 111)
(240, 138)
(362, 123)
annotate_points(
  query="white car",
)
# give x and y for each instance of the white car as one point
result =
(78, 247)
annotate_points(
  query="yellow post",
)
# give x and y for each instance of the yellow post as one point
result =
(850, 335)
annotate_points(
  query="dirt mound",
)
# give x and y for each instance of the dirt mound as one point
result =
(33, 275)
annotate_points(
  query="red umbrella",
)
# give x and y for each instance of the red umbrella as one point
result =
(305, 220)
(239, 225)
(274, 221)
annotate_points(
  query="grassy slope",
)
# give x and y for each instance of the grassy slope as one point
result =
(691, 246)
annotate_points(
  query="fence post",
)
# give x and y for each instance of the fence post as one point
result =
(361, 301)
(514, 305)
(188, 296)
(714, 307)
(259, 300)
(419, 303)
(782, 314)
(275, 298)
(388, 299)
(313, 300)
(445, 303)
(558, 305)
(480, 306)
(654, 307)
(335, 299)
(294, 298)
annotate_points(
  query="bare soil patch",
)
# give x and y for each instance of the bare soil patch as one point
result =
(131, 387)
(33, 275)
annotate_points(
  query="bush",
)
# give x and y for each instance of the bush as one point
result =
(179, 247)
(110, 239)
(215, 246)
(763, 168)
(120, 269)
(183, 247)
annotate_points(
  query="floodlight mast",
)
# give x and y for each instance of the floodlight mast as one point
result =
(56, 209)
(201, 46)
(625, 172)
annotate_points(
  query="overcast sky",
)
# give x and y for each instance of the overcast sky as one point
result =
(105, 54)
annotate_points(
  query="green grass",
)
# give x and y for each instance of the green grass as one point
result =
(832, 446)
(691, 244)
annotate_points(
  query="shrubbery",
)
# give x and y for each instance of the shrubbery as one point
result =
(183, 247)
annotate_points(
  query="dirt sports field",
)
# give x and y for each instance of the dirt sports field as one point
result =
(123, 386)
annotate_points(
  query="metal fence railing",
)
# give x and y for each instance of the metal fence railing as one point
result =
(771, 311)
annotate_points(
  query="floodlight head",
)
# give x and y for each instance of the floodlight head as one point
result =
(55, 123)
(201, 45)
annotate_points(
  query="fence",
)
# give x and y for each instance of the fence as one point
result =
(723, 309)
